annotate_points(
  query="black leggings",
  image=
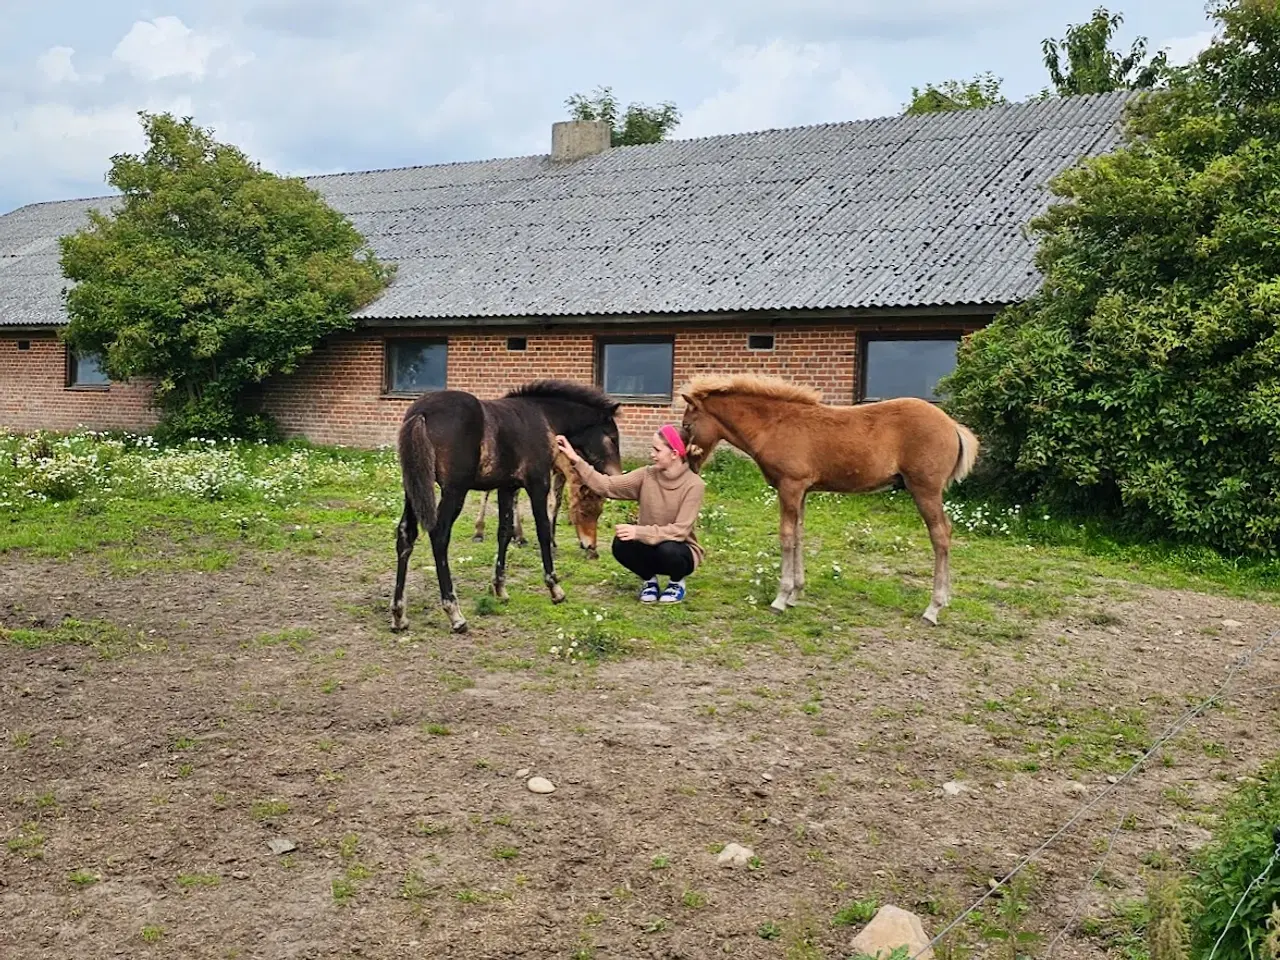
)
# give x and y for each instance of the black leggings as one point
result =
(671, 557)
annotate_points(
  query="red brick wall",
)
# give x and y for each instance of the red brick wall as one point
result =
(34, 395)
(336, 397)
(337, 394)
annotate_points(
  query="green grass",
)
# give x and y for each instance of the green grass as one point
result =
(104, 638)
(868, 561)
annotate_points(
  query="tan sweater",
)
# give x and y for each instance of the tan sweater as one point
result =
(668, 508)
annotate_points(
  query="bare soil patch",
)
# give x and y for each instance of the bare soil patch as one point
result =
(139, 793)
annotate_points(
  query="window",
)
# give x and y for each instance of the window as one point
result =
(517, 343)
(760, 341)
(415, 366)
(639, 368)
(24, 344)
(85, 370)
(905, 366)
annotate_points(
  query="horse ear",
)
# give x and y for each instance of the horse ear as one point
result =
(689, 402)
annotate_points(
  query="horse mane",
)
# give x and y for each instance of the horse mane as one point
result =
(774, 388)
(588, 396)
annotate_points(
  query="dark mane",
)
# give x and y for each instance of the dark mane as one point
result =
(588, 396)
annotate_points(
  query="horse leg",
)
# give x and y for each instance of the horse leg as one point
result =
(406, 536)
(451, 500)
(790, 496)
(797, 564)
(520, 539)
(929, 503)
(478, 536)
(557, 488)
(538, 492)
(506, 507)
(553, 505)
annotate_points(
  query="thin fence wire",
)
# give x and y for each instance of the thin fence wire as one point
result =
(1240, 663)
(1111, 844)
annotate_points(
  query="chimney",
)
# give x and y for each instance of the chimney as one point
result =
(575, 139)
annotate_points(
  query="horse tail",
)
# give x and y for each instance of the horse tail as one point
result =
(418, 470)
(968, 454)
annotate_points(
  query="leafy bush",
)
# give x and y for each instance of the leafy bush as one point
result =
(1143, 374)
(1224, 868)
(210, 276)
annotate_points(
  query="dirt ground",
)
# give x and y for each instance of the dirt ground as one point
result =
(139, 794)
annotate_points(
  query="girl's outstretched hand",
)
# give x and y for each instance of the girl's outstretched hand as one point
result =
(565, 447)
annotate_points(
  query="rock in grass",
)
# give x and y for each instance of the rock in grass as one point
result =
(735, 855)
(280, 845)
(891, 928)
(541, 785)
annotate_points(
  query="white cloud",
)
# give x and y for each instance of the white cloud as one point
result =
(165, 47)
(323, 85)
(786, 84)
(51, 144)
(1185, 49)
(55, 64)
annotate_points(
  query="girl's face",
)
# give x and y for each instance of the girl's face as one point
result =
(662, 455)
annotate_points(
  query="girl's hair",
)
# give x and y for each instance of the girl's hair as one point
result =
(692, 450)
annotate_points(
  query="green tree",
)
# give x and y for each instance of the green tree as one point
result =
(1092, 66)
(1146, 369)
(211, 275)
(638, 124)
(982, 91)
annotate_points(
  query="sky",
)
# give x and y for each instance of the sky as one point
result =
(320, 86)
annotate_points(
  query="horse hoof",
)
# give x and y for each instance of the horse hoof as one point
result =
(501, 593)
(399, 626)
(478, 538)
(930, 616)
(557, 594)
(460, 627)
(778, 606)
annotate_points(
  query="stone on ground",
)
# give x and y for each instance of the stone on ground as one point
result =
(735, 855)
(891, 928)
(541, 785)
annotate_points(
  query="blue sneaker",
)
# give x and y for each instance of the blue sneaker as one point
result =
(674, 592)
(650, 592)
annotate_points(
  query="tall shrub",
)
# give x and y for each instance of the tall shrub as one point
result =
(1145, 373)
(210, 275)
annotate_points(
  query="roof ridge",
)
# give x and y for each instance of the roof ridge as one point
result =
(936, 117)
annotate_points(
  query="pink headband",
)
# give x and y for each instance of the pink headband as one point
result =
(672, 436)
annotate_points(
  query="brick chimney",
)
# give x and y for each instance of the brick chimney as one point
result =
(575, 139)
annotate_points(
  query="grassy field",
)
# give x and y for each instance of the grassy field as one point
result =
(196, 655)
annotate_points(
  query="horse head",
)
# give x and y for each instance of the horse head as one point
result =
(586, 416)
(701, 431)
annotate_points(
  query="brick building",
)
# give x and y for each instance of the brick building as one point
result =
(851, 257)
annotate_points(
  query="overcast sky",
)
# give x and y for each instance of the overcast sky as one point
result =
(311, 86)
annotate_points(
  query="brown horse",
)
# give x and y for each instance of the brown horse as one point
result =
(585, 507)
(801, 444)
(454, 440)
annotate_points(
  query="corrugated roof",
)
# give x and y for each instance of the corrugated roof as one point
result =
(893, 212)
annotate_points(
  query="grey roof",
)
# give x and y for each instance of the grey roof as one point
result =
(894, 212)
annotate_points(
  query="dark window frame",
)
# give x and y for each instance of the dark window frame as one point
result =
(864, 339)
(517, 344)
(70, 382)
(24, 344)
(650, 398)
(773, 342)
(388, 389)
